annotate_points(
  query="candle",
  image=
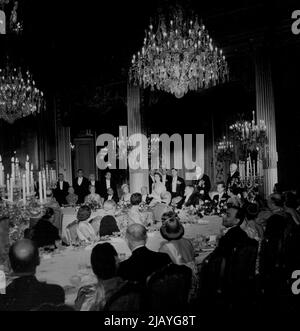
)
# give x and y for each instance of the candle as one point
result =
(40, 187)
(7, 185)
(31, 178)
(11, 189)
(47, 173)
(27, 175)
(24, 189)
(44, 187)
(13, 168)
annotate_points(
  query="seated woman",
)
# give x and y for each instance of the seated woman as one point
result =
(134, 214)
(108, 223)
(145, 196)
(93, 197)
(104, 261)
(44, 233)
(71, 198)
(126, 194)
(158, 188)
(162, 207)
(85, 230)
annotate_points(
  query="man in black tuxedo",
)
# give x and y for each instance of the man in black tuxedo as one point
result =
(61, 190)
(107, 183)
(176, 185)
(26, 292)
(81, 186)
(95, 183)
(143, 262)
(202, 183)
(191, 197)
(166, 179)
(222, 196)
(233, 179)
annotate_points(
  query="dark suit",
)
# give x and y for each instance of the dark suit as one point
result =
(104, 188)
(167, 182)
(81, 190)
(202, 184)
(60, 194)
(224, 198)
(179, 187)
(26, 293)
(142, 263)
(193, 200)
(233, 181)
(151, 181)
(97, 186)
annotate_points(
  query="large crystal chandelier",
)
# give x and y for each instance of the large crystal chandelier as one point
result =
(19, 97)
(178, 56)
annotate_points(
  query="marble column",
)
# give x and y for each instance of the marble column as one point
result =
(265, 110)
(139, 177)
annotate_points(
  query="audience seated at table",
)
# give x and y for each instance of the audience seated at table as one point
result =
(71, 198)
(222, 196)
(26, 292)
(104, 261)
(44, 233)
(191, 198)
(126, 194)
(143, 262)
(146, 198)
(85, 230)
(162, 207)
(52, 203)
(108, 223)
(93, 197)
(134, 213)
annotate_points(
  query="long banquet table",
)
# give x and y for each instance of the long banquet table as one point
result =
(70, 267)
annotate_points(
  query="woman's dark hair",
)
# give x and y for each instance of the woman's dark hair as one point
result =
(291, 200)
(136, 199)
(159, 174)
(103, 260)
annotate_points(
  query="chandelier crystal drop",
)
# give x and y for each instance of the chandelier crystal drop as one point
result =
(19, 97)
(177, 57)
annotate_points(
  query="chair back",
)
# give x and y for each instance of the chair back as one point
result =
(168, 289)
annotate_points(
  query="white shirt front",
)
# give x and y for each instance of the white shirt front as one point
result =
(109, 197)
(187, 197)
(174, 184)
(107, 183)
(61, 185)
(80, 179)
(93, 183)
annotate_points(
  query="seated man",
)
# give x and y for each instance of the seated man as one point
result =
(143, 262)
(26, 292)
(111, 195)
(192, 198)
(222, 196)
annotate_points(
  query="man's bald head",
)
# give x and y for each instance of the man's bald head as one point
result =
(24, 256)
(136, 235)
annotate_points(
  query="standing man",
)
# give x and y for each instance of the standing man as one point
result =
(81, 186)
(151, 179)
(94, 182)
(177, 185)
(106, 184)
(166, 179)
(61, 190)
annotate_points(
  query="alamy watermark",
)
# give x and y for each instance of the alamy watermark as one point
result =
(296, 24)
(138, 151)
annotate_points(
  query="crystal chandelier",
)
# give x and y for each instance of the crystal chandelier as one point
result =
(19, 96)
(178, 56)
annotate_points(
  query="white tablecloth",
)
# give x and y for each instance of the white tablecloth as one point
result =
(59, 268)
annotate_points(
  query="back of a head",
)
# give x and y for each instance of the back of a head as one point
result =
(103, 261)
(48, 213)
(24, 256)
(136, 199)
(109, 205)
(251, 211)
(108, 226)
(277, 199)
(136, 234)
